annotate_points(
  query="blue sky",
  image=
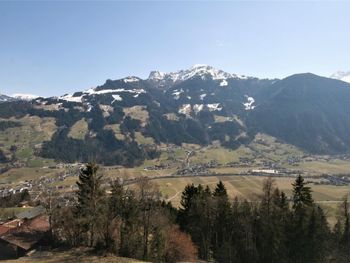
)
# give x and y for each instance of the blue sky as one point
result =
(51, 48)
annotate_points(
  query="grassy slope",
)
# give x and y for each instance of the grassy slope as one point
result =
(74, 255)
(33, 132)
(14, 176)
(79, 130)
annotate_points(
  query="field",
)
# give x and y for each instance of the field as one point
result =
(263, 151)
(19, 175)
(249, 187)
(246, 187)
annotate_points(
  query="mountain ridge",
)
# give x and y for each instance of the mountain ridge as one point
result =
(127, 119)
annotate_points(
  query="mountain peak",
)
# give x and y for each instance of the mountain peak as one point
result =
(198, 70)
(21, 96)
(200, 66)
(156, 75)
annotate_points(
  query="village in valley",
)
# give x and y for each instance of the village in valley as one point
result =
(24, 208)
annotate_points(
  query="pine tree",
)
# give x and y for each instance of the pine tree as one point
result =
(204, 212)
(187, 200)
(302, 196)
(317, 237)
(196, 217)
(271, 234)
(221, 237)
(302, 207)
(342, 232)
(91, 196)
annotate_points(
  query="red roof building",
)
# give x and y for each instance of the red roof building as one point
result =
(17, 241)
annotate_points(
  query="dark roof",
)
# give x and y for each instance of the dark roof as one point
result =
(32, 212)
(28, 234)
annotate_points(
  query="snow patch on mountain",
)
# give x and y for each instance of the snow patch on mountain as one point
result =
(177, 94)
(116, 97)
(214, 107)
(71, 98)
(198, 107)
(185, 109)
(92, 91)
(341, 75)
(131, 79)
(249, 104)
(223, 83)
(89, 107)
(104, 91)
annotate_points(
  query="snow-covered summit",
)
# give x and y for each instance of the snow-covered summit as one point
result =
(21, 96)
(198, 70)
(341, 75)
(157, 75)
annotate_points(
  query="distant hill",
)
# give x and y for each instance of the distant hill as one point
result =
(308, 111)
(123, 121)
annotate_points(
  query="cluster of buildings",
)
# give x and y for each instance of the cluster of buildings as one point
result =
(6, 191)
(156, 167)
(340, 180)
(36, 185)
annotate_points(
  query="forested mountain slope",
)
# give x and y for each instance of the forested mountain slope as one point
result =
(123, 121)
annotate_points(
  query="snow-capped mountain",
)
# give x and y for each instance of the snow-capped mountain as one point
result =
(199, 70)
(341, 75)
(20, 96)
(199, 105)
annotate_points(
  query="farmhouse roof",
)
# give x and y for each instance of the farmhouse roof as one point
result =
(31, 213)
(28, 234)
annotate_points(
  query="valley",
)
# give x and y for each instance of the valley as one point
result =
(242, 171)
(198, 125)
(170, 133)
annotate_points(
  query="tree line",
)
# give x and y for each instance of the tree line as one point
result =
(136, 222)
(128, 222)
